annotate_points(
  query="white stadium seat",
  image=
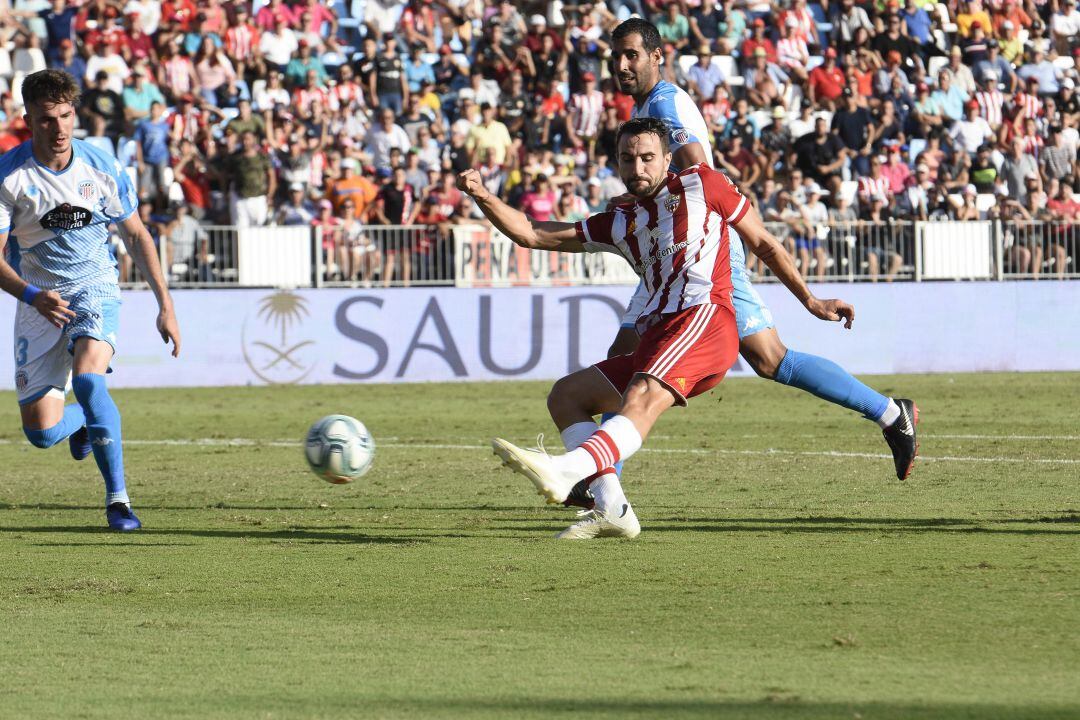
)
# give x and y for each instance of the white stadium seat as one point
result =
(28, 60)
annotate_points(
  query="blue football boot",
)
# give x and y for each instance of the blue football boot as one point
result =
(79, 443)
(122, 518)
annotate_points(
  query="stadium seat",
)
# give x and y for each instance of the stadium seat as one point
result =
(848, 189)
(16, 88)
(934, 65)
(985, 201)
(814, 61)
(915, 146)
(6, 70)
(727, 65)
(28, 60)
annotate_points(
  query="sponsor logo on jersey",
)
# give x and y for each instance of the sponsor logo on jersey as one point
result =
(672, 203)
(66, 217)
(86, 190)
(660, 255)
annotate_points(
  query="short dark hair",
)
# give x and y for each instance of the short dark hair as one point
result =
(650, 36)
(50, 86)
(641, 125)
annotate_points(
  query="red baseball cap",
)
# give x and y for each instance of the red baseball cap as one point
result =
(758, 22)
(588, 77)
(830, 52)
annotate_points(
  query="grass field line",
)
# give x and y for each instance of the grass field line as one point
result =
(253, 442)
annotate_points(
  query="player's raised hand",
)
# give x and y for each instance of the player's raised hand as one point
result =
(169, 329)
(833, 310)
(470, 183)
(54, 308)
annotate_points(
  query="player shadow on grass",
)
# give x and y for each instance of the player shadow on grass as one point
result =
(303, 536)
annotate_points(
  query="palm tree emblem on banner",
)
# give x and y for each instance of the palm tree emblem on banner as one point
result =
(272, 346)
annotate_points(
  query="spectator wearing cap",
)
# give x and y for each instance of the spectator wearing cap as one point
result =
(776, 141)
(757, 40)
(792, 53)
(816, 216)
(826, 82)
(1065, 27)
(1069, 105)
(1057, 160)
(586, 111)
(983, 171)
(703, 75)
(852, 27)
(105, 60)
(489, 135)
(991, 100)
(297, 209)
(1041, 69)
(705, 21)
(138, 96)
(1012, 46)
(960, 74)
(70, 62)
(855, 127)
(538, 28)
(892, 70)
(972, 130)
(976, 46)
(306, 61)
(996, 67)
(764, 82)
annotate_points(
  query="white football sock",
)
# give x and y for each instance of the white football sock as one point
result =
(615, 440)
(892, 412)
(608, 493)
(573, 436)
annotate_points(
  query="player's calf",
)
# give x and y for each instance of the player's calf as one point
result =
(72, 420)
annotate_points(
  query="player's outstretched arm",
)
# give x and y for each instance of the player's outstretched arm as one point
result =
(141, 247)
(515, 224)
(762, 243)
(47, 302)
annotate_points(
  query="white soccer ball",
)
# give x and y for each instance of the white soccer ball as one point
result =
(339, 449)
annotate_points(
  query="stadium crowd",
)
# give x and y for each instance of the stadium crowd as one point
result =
(348, 115)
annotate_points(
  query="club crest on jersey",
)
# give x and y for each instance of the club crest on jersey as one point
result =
(679, 136)
(672, 203)
(86, 190)
(66, 217)
(21, 380)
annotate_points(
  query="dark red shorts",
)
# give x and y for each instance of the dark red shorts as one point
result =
(689, 351)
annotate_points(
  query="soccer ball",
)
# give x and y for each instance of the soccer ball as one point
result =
(339, 449)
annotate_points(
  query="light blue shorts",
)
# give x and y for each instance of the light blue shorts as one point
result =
(43, 351)
(751, 313)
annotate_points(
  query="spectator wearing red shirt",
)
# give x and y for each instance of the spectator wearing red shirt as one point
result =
(826, 81)
(739, 163)
(757, 40)
(178, 14)
(534, 39)
(268, 15)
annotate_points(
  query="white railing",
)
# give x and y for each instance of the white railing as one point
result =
(474, 255)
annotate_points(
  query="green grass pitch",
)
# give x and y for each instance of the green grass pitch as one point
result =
(782, 572)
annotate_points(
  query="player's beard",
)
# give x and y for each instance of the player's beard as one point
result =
(648, 191)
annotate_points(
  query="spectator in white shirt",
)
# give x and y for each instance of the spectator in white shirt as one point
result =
(971, 131)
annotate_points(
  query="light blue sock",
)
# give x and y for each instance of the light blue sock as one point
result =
(103, 426)
(603, 419)
(829, 381)
(73, 419)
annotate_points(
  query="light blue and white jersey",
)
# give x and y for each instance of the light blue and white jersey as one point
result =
(59, 220)
(674, 106)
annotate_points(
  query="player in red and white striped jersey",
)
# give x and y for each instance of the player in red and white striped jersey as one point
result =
(675, 235)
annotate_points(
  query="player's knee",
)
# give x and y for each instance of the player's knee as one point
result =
(561, 398)
(42, 438)
(765, 360)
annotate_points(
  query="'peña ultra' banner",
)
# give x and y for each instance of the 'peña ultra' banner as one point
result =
(241, 337)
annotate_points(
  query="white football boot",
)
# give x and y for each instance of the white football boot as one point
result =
(596, 523)
(553, 484)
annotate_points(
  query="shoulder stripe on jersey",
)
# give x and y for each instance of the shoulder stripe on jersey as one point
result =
(737, 215)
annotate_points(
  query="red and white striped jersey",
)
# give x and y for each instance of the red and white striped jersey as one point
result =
(586, 110)
(792, 52)
(178, 71)
(991, 106)
(869, 187)
(1028, 106)
(676, 240)
(241, 41)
